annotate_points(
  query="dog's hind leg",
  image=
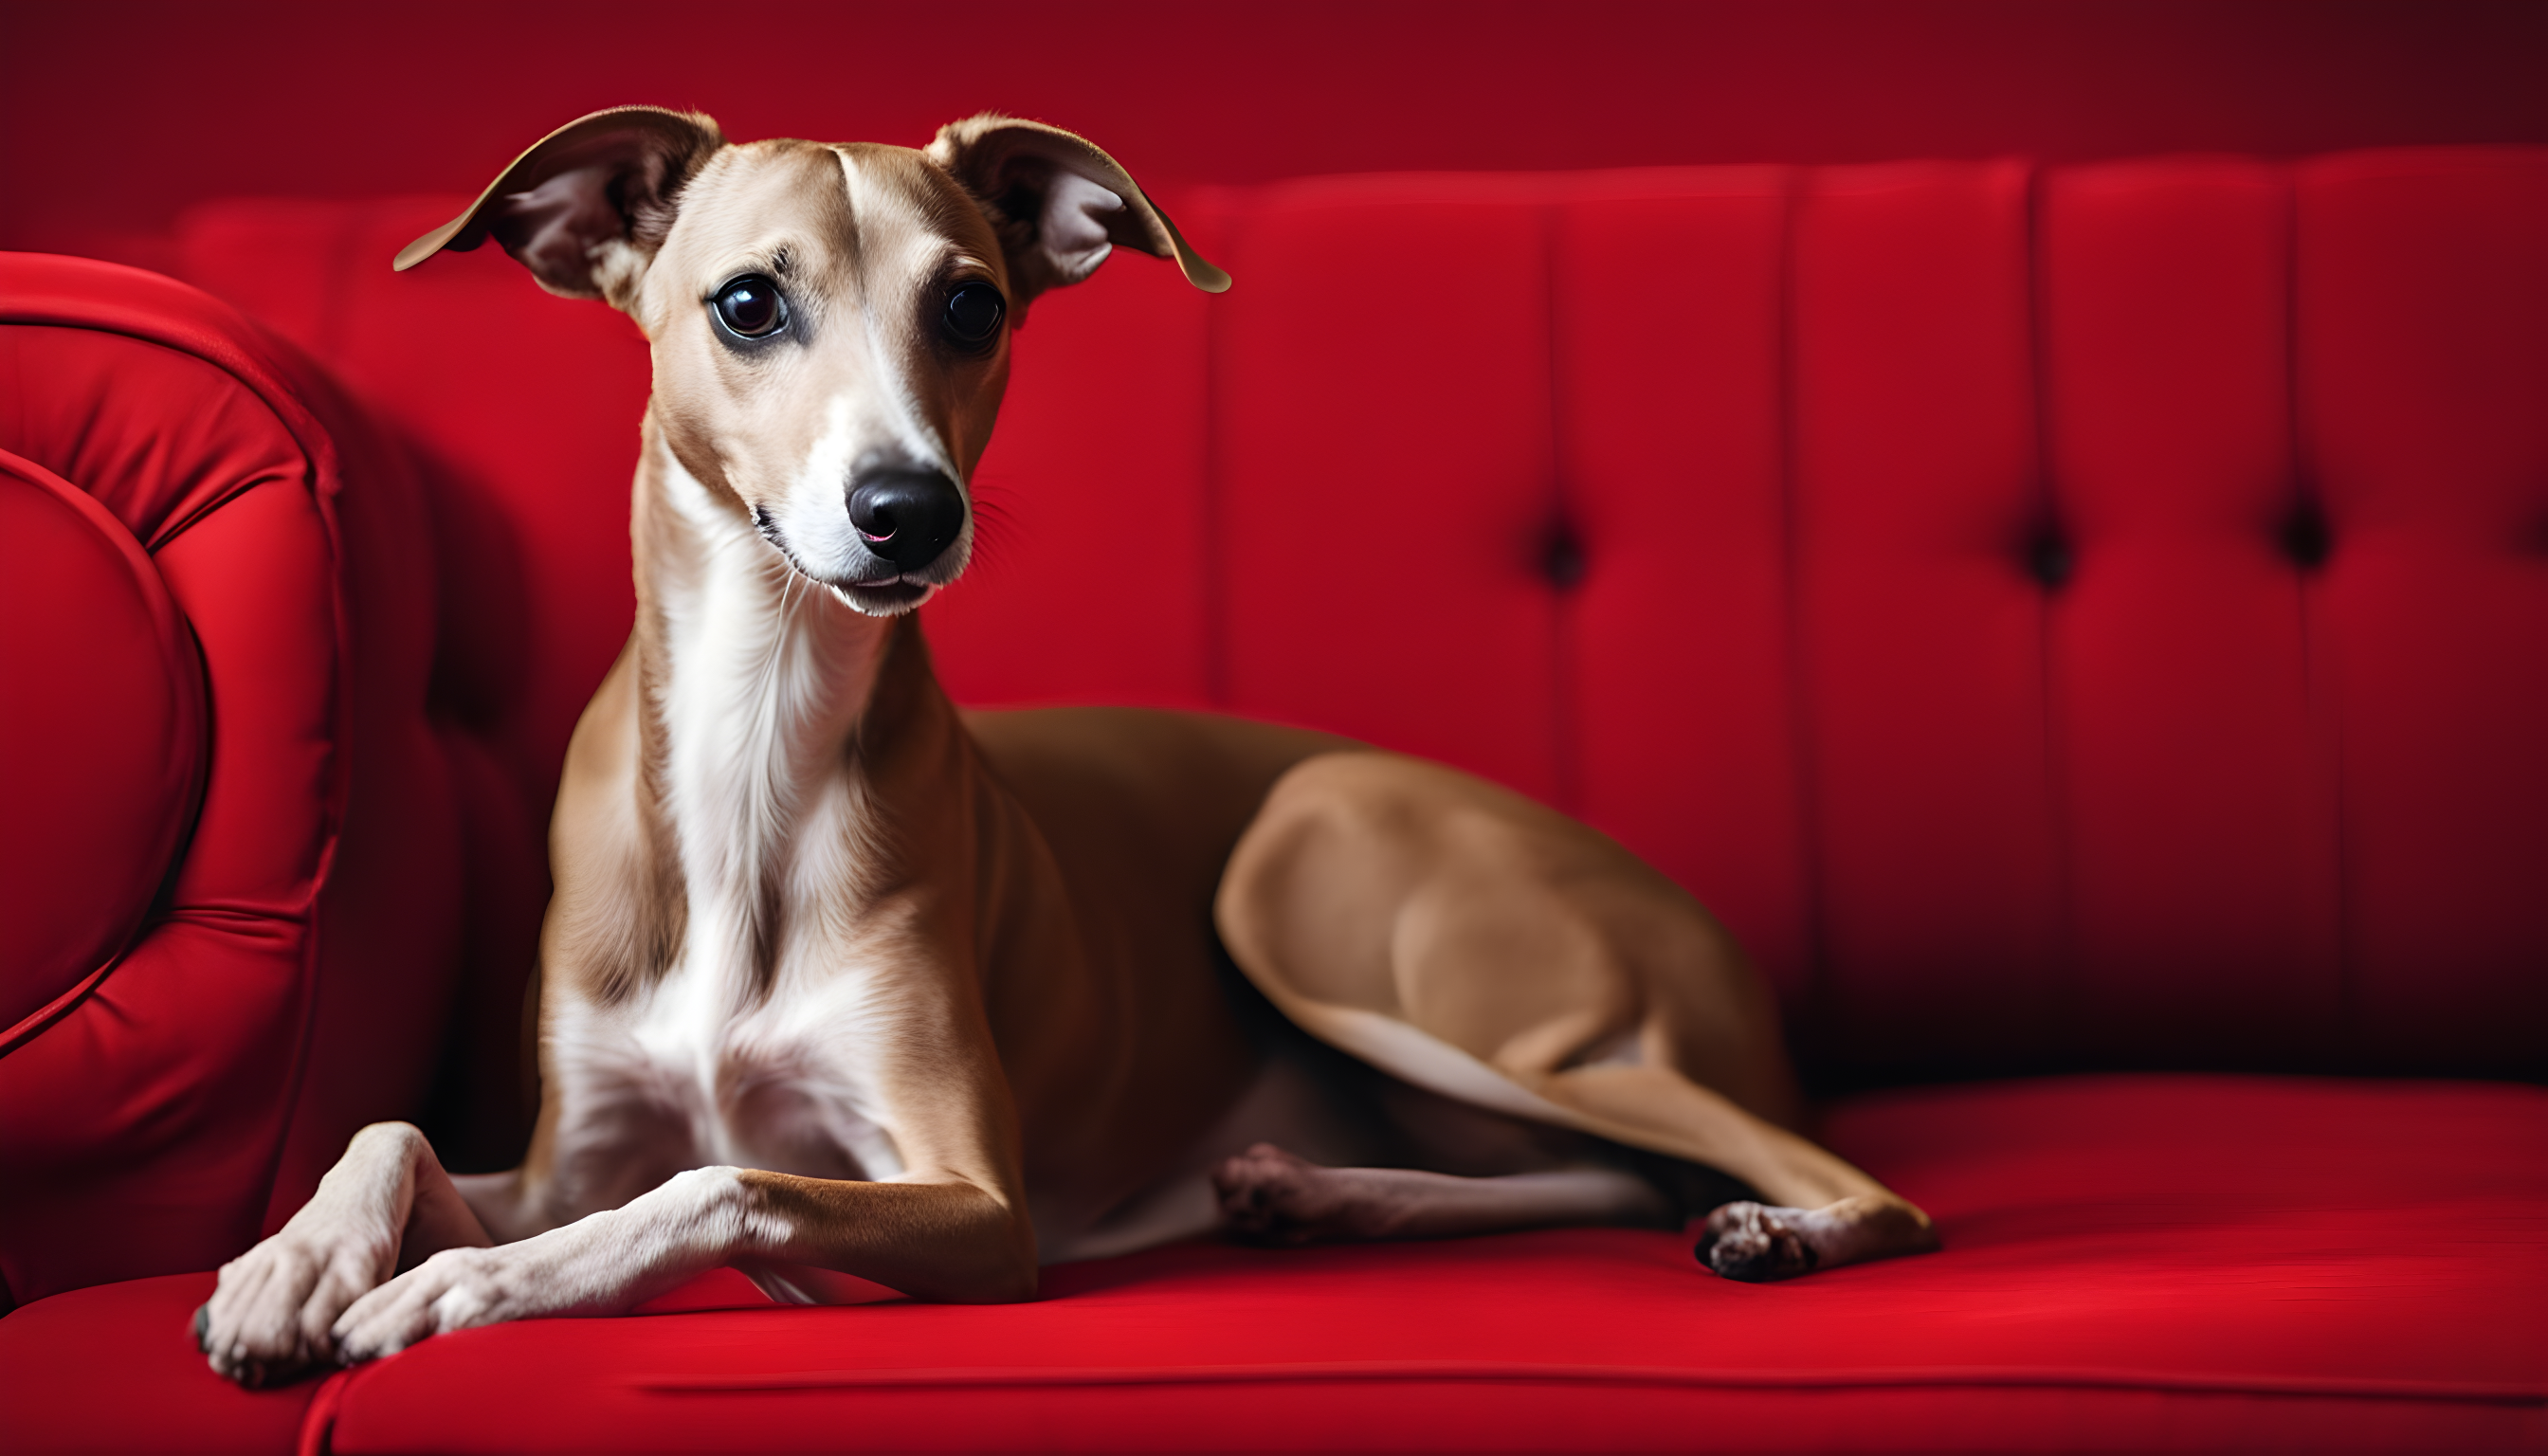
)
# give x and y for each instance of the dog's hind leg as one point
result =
(1815, 1209)
(1483, 947)
(1271, 1196)
(1821, 1210)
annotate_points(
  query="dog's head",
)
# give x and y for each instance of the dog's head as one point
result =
(830, 323)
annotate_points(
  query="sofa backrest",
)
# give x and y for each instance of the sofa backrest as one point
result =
(2056, 617)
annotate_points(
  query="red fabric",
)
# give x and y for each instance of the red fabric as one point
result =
(2198, 767)
(100, 785)
(148, 1123)
(1920, 634)
(113, 1368)
(2130, 1262)
(2424, 359)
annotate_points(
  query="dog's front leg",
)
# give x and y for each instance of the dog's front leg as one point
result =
(270, 1316)
(949, 1241)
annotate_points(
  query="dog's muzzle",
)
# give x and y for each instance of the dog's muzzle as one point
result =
(908, 517)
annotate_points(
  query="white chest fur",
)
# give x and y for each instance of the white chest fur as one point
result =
(750, 1048)
(678, 1077)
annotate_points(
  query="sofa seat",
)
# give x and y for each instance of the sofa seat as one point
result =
(2131, 1262)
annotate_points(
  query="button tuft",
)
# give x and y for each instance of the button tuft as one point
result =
(1561, 558)
(2050, 560)
(2305, 537)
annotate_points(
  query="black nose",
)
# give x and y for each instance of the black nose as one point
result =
(906, 516)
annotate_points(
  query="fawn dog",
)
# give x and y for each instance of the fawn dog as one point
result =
(838, 979)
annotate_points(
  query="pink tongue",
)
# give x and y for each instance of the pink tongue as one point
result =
(879, 540)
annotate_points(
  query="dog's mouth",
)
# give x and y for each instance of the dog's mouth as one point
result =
(882, 595)
(884, 598)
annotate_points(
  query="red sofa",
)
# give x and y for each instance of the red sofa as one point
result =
(2085, 629)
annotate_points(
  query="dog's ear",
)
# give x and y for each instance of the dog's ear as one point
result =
(1058, 204)
(587, 207)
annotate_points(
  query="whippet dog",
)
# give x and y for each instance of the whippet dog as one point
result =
(840, 980)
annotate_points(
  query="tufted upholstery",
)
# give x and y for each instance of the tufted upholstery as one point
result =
(2075, 618)
(2060, 619)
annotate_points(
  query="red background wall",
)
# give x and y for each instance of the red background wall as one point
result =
(114, 116)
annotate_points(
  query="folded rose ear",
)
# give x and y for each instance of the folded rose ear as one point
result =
(1058, 203)
(588, 206)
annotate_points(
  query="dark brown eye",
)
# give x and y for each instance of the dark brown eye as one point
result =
(750, 307)
(974, 315)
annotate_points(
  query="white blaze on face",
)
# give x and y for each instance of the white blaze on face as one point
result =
(872, 408)
(898, 254)
(816, 517)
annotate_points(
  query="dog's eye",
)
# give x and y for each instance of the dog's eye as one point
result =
(974, 315)
(751, 307)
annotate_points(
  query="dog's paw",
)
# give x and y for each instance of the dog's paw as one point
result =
(1757, 1245)
(1270, 1196)
(454, 1290)
(598, 1265)
(268, 1320)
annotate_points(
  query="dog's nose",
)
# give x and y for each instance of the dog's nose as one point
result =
(906, 516)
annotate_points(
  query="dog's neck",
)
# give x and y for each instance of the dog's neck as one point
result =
(755, 681)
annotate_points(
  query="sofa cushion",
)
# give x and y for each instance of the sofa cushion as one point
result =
(112, 1367)
(99, 775)
(2241, 1262)
(2129, 1262)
